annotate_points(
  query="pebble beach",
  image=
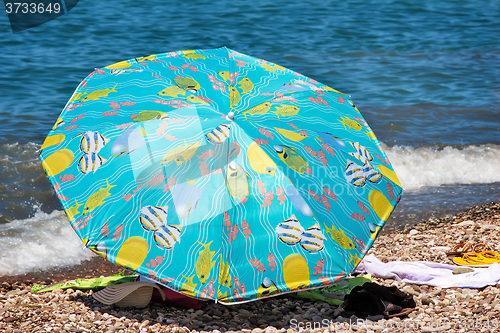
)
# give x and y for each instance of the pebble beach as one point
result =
(437, 310)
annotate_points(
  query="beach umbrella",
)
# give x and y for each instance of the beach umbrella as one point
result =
(220, 175)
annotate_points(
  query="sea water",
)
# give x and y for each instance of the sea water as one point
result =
(425, 75)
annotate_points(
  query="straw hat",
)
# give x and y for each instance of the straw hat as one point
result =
(130, 294)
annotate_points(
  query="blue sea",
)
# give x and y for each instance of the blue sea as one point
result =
(424, 74)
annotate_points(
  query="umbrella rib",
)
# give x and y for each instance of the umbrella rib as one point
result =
(221, 257)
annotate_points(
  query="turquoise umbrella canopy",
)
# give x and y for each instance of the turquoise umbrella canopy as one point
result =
(220, 175)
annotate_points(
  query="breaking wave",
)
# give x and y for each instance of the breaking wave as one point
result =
(39, 242)
(427, 166)
(46, 240)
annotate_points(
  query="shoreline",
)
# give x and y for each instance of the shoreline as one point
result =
(451, 308)
(90, 268)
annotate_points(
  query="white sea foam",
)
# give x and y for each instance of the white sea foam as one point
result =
(40, 242)
(46, 241)
(424, 166)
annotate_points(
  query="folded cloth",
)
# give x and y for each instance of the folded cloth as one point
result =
(372, 299)
(429, 273)
(333, 294)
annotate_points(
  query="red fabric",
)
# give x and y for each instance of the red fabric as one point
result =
(175, 298)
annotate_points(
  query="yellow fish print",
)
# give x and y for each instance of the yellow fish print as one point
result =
(246, 85)
(374, 230)
(292, 158)
(224, 75)
(355, 259)
(370, 134)
(331, 89)
(281, 68)
(132, 252)
(52, 140)
(260, 161)
(118, 65)
(57, 162)
(350, 123)
(237, 181)
(172, 91)
(204, 263)
(194, 56)
(267, 288)
(95, 95)
(268, 68)
(72, 211)
(59, 123)
(149, 57)
(220, 295)
(97, 199)
(295, 272)
(290, 135)
(188, 286)
(389, 174)
(224, 276)
(286, 110)
(380, 204)
(187, 83)
(100, 249)
(150, 115)
(195, 99)
(234, 96)
(259, 109)
(77, 96)
(181, 153)
(340, 237)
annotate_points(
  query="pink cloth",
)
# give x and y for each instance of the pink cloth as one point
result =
(175, 298)
(172, 297)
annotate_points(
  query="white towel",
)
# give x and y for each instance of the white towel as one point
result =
(429, 273)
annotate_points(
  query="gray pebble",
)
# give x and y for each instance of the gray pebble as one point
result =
(317, 318)
(462, 270)
(426, 300)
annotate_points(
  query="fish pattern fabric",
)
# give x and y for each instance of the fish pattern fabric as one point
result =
(154, 176)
